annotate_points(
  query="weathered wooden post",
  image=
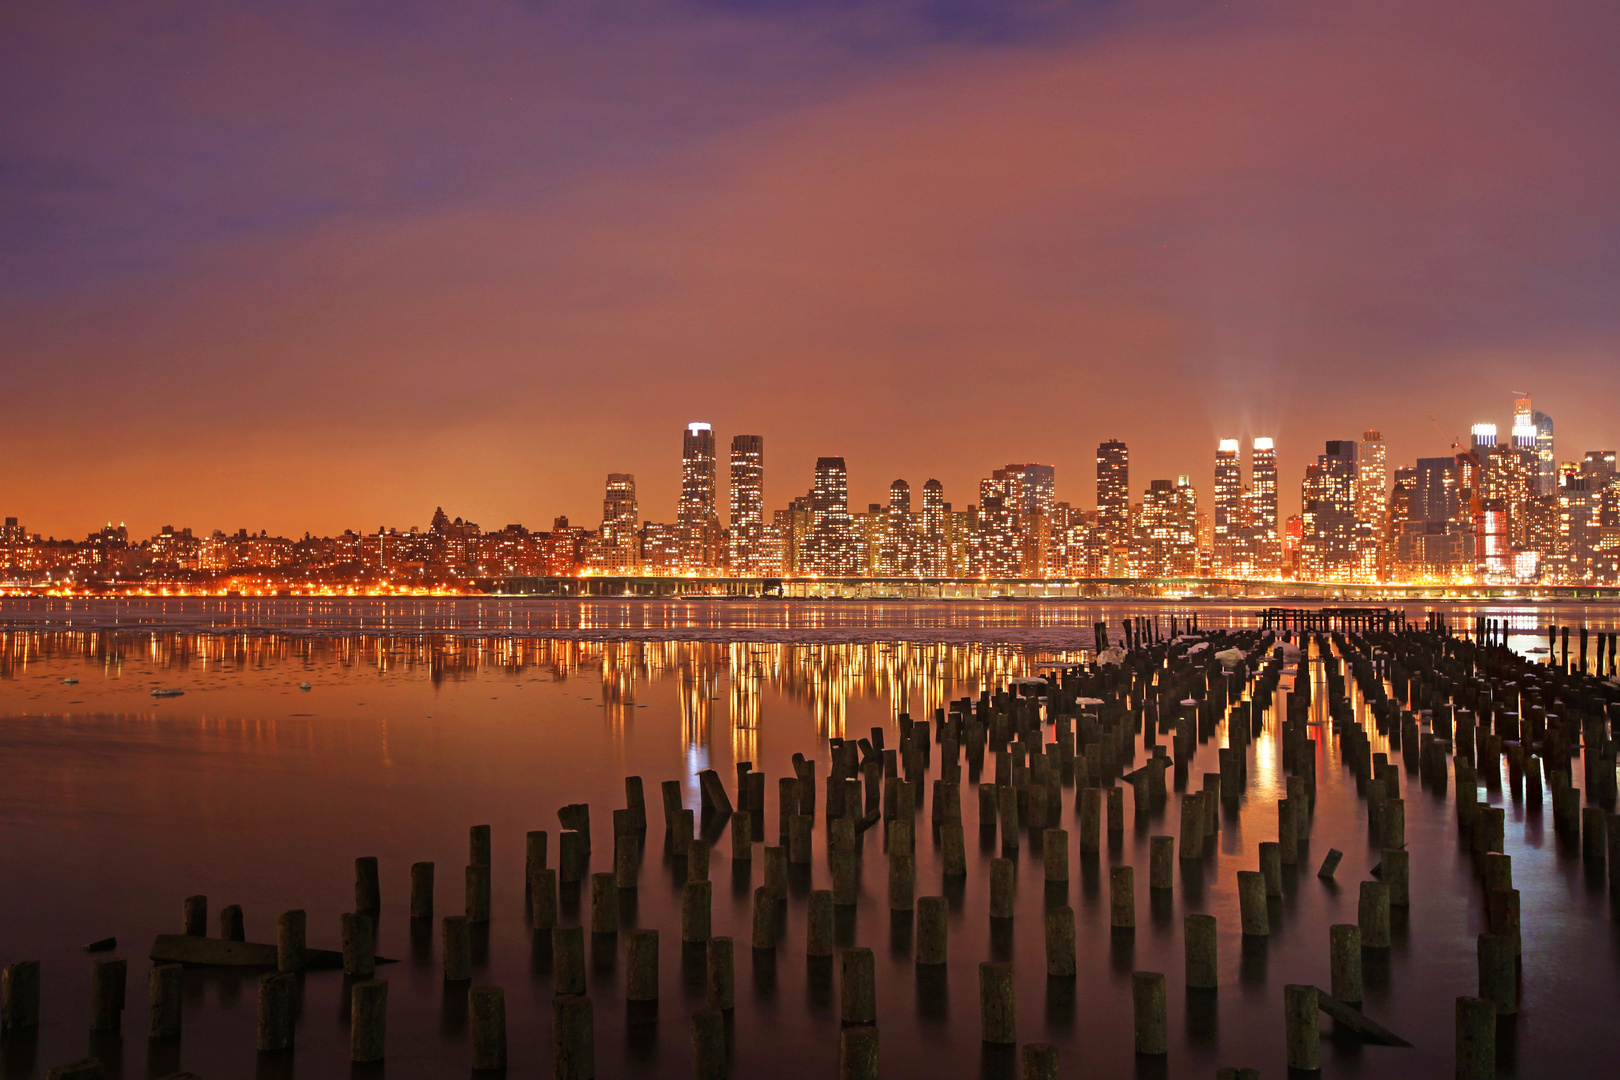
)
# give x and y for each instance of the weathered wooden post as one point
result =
(1373, 913)
(543, 901)
(1152, 1019)
(1476, 1039)
(368, 1020)
(1302, 1027)
(275, 1027)
(367, 886)
(1060, 952)
(858, 1053)
(359, 944)
(1252, 903)
(1203, 972)
(1344, 947)
(108, 978)
(486, 1006)
(998, 1014)
(290, 941)
(604, 904)
(19, 996)
(164, 996)
(573, 1038)
(456, 938)
(857, 987)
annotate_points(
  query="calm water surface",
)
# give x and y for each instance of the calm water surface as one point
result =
(426, 717)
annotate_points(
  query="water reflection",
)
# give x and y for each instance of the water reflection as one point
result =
(822, 679)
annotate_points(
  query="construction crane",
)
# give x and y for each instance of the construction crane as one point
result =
(1456, 443)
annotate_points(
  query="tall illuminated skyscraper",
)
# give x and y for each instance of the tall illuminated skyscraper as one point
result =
(1230, 547)
(932, 555)
(897, 555)
(1114, 495)
(697, 516)
(746, 542)
(1328, 542)
(1372, 505)
(1166, 542)
(620, 524)
(1525, 415)
(830, 545)
(1268, 540)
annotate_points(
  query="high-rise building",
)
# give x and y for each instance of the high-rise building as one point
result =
(747, 546)
(898, 542)
(1372, 506)
(1114, 491)
(1328, 543)
(1432, 522)
(932, 552)
(1268, 540)
(998, 540)
(619, 538)
(1525, 415)
(1231, 543)
(831, 545)
(1166, 541)
(698, 515)
(1038, 502)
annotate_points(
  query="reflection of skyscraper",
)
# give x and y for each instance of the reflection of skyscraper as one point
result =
(1268, 546)
(747, 540)
(698, 516)
(619, 523)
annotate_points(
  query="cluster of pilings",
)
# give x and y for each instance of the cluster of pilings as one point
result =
(1457, 710)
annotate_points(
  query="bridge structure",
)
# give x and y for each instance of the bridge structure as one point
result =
(968, 589)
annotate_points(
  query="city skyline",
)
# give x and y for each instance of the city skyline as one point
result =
(1478, 515)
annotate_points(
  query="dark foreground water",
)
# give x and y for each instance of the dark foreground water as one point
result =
(426, 717)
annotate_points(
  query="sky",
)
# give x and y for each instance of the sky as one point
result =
(315, 266)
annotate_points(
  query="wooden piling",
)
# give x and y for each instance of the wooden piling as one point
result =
(1203, 972)
(568, 959)
(1476, 1039)
(1271, 866)
(368, 1020)
(1344, 961)
(359, 937)
(290, 941)
(1001, 888)
(19, 996)
(1302, 1027)
(695, 899)
(456, 944)
(710, 1060)
(720, 974)
(543, 901)
(857, 988)
(604, 904)
(1151, 1013)
(486, 1009)
(163, 991)
(1498, 973)
(1055, 853)
(1060, 941)
(641, 966)
(108, 979)
(1122, 898)
(422, 890)
(367, 886)
(275, 1018)
(573, 1038)
(478, 846)
(194, 916)
(998, 1013)
(858, 1053)
(933, 930)
(1373, 915)
(1161, 862)
(1256, 918)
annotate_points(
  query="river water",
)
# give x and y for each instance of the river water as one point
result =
(424, 717)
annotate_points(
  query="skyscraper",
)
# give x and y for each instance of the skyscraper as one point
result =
(1434, 533)
(1166, 542)
(1328, 543)
(698, 517)
(1372, 505)
(932, 556)
(998, 541)
(1038, 503)
(619, 525)
(1525, 415)
(1268, 541)
(830, 546)
(898, 544)
(746, 542)
(1114, 500)
(1232, 551)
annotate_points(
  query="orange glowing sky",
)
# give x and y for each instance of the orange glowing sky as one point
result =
(332, 265)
